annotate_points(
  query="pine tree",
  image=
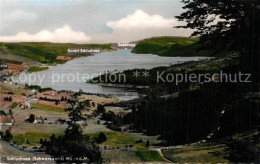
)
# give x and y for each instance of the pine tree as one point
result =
(8, 135)
(227, 25)
(147, 143)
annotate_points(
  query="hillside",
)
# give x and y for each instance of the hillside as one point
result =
(170, 46)
(43, 52)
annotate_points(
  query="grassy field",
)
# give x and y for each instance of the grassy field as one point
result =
(47, 108)
(8, 59)
(14, 104)
(32, 137)
(17, 90)
(22, 128)
(148, 155)
(118, 139)
(44, 52)
(115, 139)
(40, 113)
(36, 69)
(124, 156)
(170, 46)
(204, 153)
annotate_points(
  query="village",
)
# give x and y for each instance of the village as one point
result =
(32, 113)
(19, 101)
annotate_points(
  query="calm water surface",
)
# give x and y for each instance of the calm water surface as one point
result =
(69, 76)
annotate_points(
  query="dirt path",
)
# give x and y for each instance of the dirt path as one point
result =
(161, 154)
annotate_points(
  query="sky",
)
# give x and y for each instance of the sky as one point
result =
(88, 21)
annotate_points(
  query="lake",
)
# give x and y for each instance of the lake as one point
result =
(74, 74)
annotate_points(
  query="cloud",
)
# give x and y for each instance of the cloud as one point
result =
(140, 25)
(136, 26)
(87, 16)
(60, 35)
(140, 19)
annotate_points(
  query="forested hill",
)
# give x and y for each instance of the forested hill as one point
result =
(43, 52)
(171, 46)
